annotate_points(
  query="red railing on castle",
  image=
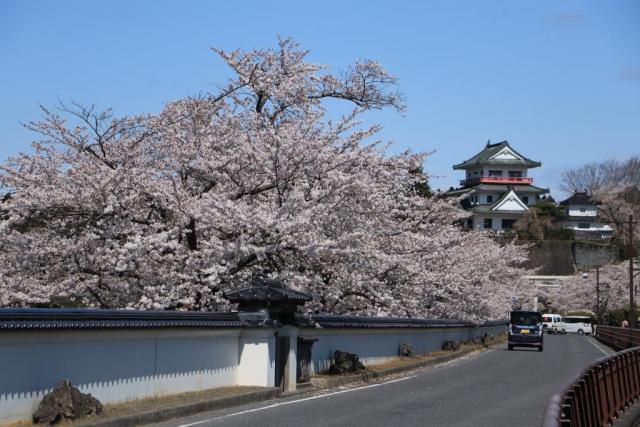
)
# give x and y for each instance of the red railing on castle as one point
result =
(496, 180)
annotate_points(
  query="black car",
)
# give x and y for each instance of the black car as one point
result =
(525, 330)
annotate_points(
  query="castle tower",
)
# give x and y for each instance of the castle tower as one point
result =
(497, 187)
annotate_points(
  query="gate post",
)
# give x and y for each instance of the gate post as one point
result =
(291, 361)
(281, 303)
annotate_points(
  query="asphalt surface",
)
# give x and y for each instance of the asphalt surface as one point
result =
(493, 388)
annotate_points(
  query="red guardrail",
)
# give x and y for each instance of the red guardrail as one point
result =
(599, 394)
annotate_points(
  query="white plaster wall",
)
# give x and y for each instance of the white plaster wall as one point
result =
(576, 210)
(256, 358)
(113, 366)
(116, 366)
(375, 346)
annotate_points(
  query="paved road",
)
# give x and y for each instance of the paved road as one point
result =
(494, 388)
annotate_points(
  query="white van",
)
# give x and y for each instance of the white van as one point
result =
(553, 324)
(578, 324)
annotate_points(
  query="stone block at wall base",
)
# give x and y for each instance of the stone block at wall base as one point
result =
(325, 381)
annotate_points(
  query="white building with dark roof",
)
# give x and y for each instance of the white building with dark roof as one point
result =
(581, 216)
(497, 186)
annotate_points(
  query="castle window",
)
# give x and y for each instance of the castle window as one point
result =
(525, 199)
(489, 199)
(507, 224)
(488, 223)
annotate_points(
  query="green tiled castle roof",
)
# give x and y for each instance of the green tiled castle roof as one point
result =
(577, 198)
(484, 158)
(525, 188)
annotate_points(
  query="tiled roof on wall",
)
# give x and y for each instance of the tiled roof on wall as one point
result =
(86, 318)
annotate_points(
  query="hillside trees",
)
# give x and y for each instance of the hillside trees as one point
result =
(595, 176)
(168, 210)
(615, 186)
(616, 204)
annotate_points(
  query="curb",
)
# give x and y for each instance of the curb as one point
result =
(164, 414)
(324, 383)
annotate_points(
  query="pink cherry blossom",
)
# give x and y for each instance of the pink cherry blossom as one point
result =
(579, 292)
(166, 211)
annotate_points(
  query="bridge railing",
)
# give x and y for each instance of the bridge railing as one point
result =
(618, 338)
(599, 394)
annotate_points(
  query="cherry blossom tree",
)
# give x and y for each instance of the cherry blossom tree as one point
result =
(616, 204)
(579, 292)
(166, 211)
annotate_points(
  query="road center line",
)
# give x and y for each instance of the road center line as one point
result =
(297, 401)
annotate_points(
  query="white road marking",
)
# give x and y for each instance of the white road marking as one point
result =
(459, 360)
(296, 401)
(593, 341)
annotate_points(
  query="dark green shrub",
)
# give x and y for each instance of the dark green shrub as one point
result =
(616, 316)
(559, 234)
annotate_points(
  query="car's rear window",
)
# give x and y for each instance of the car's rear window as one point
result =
(525, 318)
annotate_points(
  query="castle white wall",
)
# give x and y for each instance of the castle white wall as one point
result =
(483, 197)
(484, 171)
(582, 210)
(478, 220)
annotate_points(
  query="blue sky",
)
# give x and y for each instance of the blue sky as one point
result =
(559, 79)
